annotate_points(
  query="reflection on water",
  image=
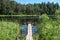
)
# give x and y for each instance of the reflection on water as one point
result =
(25, 29)
(34, 28)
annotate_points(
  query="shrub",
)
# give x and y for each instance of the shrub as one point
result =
(8, 30)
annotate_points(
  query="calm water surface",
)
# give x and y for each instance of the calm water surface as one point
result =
(25, 29)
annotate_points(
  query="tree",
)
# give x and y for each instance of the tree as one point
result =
(11, 7)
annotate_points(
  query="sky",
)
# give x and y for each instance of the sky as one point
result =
(36, 1)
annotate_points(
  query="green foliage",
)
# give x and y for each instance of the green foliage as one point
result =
(57, 12)
(11, 7)
(44, 17)
(8, 30)
(35, 37)
(49, 29)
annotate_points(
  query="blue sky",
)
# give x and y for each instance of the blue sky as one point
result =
(36, 1)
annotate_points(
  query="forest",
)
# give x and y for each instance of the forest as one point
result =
(8, 7)
(48, 27)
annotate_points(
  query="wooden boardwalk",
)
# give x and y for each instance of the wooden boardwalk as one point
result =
(29, 35)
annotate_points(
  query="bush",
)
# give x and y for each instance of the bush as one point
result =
(8, 30)
(49, 29)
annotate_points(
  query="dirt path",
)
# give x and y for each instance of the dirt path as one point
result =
(29, 35)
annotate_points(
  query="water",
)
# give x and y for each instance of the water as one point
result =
(34, 27)
(25, 29)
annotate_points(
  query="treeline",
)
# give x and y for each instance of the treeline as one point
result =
(8, 7)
